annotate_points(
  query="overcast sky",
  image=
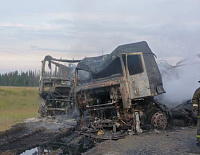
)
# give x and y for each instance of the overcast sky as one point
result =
(31, 29)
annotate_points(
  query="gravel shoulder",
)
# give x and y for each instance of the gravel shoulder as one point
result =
(175, 141)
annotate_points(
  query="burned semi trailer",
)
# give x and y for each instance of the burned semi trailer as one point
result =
(117, 90)
(56, 86)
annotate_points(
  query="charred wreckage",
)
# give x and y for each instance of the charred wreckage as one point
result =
(114, 91)
(56, 86)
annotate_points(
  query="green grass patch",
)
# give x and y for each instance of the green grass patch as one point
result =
(17, 104)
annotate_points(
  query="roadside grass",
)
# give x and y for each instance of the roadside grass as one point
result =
(17, 104)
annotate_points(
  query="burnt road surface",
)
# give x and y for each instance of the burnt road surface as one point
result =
(174, 141)
(34, 132)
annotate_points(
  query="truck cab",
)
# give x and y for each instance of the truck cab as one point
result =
(116, 90)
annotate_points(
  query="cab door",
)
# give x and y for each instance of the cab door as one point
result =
(137, 76)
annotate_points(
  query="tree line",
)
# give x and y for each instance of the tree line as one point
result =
(28, 79)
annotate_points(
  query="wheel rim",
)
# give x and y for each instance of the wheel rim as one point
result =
(159, 120)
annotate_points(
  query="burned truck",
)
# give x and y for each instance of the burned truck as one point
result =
(56, 86)
(117, 90)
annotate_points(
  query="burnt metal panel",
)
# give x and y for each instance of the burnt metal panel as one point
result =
(153, 74)
(138, 82)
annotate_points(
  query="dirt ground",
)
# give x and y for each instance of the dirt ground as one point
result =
(174, 141)
(55, 136)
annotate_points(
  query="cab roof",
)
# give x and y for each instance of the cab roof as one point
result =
(96, 64)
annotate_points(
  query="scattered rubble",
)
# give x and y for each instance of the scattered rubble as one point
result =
(51, 136)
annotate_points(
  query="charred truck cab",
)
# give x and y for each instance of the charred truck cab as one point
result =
(116, 90)
(56, 86)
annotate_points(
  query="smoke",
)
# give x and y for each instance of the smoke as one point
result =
(179, 81)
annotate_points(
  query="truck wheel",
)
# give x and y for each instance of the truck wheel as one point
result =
(159, 120)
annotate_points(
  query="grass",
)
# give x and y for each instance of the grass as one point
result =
(17, 104)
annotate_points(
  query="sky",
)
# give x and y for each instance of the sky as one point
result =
(31, 29)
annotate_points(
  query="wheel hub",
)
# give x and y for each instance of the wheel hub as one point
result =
(159, 120)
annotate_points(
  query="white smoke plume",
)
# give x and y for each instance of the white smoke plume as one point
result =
(180, 81)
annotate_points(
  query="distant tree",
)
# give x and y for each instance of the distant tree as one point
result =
(28, 78)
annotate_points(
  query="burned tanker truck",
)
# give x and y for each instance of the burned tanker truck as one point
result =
(56, 86)
(117, 90)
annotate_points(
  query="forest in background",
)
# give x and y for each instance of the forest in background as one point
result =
(23, 79)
